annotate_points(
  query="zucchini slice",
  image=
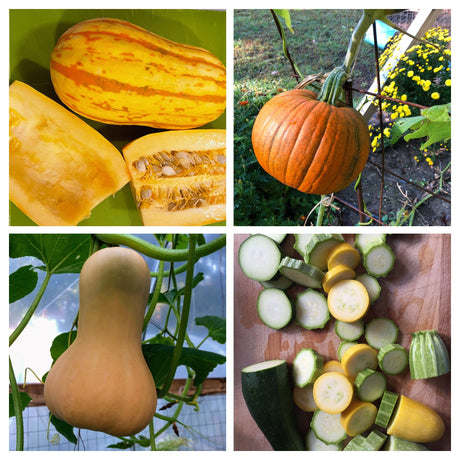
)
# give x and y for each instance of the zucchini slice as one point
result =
(306, 367)
(393, 359)
(319, 247)
(268, 395)
(301, 273)
(274, 308)
(311, 309)
(259, 257)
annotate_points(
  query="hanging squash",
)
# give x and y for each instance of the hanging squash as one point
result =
(312, 143)
(115, 72)
(102, 381)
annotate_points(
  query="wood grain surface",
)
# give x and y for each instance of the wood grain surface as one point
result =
(416, 295)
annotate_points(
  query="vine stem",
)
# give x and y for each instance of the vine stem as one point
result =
(17, 409)
(155, 296)
(184, 316)
(159, 253)
(31, 310)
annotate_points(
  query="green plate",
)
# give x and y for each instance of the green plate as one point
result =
(33, 35)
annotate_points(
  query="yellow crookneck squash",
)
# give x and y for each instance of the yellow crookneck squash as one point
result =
(178, 177)
(115, 72)
(102, 382)
(60, 167)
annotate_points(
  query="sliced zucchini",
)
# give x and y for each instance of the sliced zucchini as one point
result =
(349, 332)
(274, 308)
(394, 443)
(278, 282)
(370, 385)
(374, 441)
(372, 285)
(378, 259)
(355, 443)
(318, 248)
(301, 273)
(380, 332)
(393, 359)
(327, 427)
(311, 309)
(365, 240)
(386, 408)
(313, 443)
(259, 257)
(301, 242)
(307, 366)
(303, 398)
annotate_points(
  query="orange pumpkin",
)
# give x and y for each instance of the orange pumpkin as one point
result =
(309, 144)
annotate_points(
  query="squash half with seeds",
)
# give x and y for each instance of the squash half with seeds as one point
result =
(179, 177)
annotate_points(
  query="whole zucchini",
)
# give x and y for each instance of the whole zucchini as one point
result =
(268, 396)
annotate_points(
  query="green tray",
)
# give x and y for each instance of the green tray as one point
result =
(33, 35)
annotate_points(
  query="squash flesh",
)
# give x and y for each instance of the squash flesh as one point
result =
(179, 177)
(60, 167)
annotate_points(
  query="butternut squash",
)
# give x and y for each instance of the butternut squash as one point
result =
(179, 177)
(115, 72)
(102, 382)
(60, 167)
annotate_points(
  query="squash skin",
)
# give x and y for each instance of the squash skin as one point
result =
(115, 72)
(308, 144)
(60, 167)
(169, 199)
(102, 382)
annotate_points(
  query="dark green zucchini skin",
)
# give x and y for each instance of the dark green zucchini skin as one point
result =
(268, 396)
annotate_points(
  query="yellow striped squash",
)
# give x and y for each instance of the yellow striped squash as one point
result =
(116, 72)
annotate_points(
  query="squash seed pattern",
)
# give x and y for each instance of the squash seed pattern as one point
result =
(190, 191)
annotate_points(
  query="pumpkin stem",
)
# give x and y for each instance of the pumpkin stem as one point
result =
(332, 90)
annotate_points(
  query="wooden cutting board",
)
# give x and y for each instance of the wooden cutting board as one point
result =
(416, 295)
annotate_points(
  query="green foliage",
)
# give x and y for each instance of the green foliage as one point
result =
(216, 327)
(22, 282)
(25, 400)
(159, 356)
(433, 123)
(60, 253)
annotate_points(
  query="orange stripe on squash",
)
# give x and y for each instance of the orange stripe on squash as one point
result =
(310, 145)
(115, 72)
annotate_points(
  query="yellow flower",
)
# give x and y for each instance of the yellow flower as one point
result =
(407, 111)
(435, 95)
(404, 97)
(437, 69)
(410, 73)
(394, 115)
(387, 132)
(448, 82)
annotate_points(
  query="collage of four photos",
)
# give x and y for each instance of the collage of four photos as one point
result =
(230, 230)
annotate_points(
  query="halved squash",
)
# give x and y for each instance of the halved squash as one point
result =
(60, 167)
(178, 177)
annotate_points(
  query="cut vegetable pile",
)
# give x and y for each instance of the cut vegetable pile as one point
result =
(351, 407)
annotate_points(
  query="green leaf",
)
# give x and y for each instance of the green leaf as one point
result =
(287, 18)
(64, 428)
(22, 282)
(402, 125)
(215, 325)
(61, 343)
(121, 445)
(437, 112)
(159, 356)
(435, 131)
(60, 253)
(25, 400)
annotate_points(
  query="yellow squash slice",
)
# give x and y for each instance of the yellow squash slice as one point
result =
(178, 177)
(60, 167)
